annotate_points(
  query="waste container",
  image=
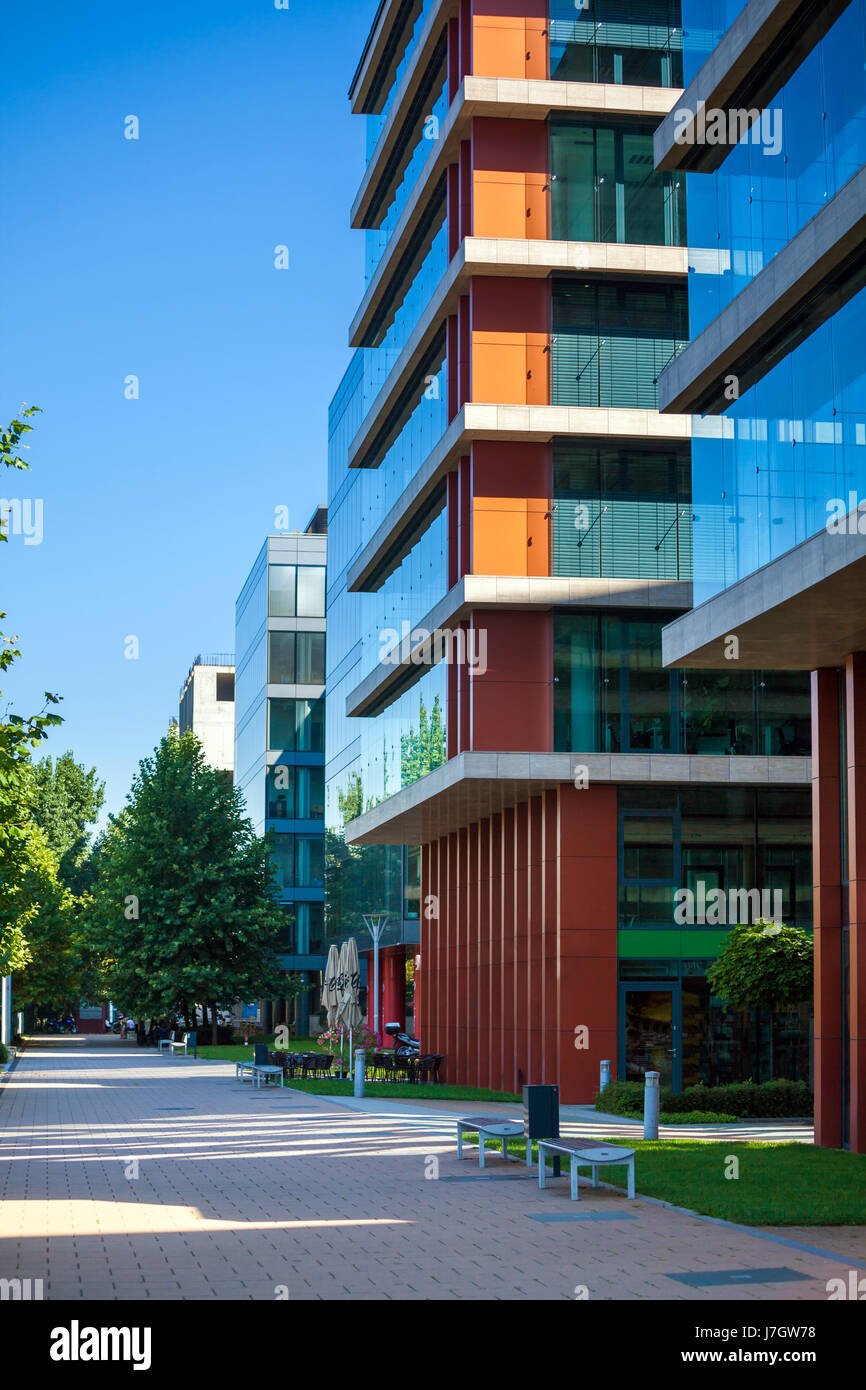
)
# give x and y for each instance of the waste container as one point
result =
(541, 1116)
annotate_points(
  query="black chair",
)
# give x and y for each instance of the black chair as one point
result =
(430, 1067)
(261, 1055)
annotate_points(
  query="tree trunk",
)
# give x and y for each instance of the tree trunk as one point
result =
(214, 1024)
(203, 1017)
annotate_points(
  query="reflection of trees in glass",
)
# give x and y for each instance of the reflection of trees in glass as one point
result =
(423, 749)
(358, 878)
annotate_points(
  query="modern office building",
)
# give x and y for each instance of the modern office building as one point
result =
(778, 359)
(511, 528)
(207, 707)
(280, 735)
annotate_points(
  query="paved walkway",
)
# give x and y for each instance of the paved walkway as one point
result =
(127, 1176)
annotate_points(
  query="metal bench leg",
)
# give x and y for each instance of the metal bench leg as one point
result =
(595, 1175)
(504, 1148)
(541, 1167)
(529, 1153)
(459, 1141)
(480, 1150)
(631, 1178)
(574, 1181)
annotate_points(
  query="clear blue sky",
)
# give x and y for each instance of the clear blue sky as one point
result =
(155, 258)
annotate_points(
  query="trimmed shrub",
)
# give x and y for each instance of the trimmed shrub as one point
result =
(743, 1100)
(4, 1053)
(691, 1117)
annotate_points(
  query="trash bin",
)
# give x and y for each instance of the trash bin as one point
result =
(541, 1116)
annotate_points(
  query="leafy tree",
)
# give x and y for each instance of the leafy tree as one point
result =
(67, 801)
(764, 963)
(185, 892)
(64, 964)
(19, 734)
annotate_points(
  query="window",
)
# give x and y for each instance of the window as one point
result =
(281, 856)
(310, 803)
(281, 658)
(310, 724)
(281, 793)
(311, 591)
(296, 726)
(281, 591)
(225, 688)
(309, 861)
(311, 658)
(281, 725)
(605, 187)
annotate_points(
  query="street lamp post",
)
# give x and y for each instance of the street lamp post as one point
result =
(376, 922)
(6, 1024)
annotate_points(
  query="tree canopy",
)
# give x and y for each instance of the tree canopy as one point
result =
(20, 851)
(764, 963)
(185, 896)
(66, 803)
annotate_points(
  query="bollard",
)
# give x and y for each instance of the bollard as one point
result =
(604, 1079)
(359, 1073)
(651, 1106)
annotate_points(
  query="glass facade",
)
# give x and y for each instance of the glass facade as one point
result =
(638, 42)
(280, 729)
(611, 342)
(813, 142)
(737, 838)
(792, 449)
(621, 513)
(612, 695)
(604, 187)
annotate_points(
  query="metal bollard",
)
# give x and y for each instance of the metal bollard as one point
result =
(359, 1073)
(651, 1106)
(604, 1079)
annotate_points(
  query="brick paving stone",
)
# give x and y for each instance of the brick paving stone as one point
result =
(236, 1193)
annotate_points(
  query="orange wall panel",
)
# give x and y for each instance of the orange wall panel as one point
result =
(510, 178)
(509, 38)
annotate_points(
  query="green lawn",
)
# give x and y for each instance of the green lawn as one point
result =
(378, 1090)
(239, 1053)
(778, 1184)
(390, 1090)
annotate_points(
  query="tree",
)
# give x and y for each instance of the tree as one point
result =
(185, 895)
(764, 963)
(67, 801)
(18, 736)
(64, 965)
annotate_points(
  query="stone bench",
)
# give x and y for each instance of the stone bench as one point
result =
(585, 1153)
(489, 1127)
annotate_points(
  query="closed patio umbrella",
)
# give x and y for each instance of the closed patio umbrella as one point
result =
(330, 990)
(349, 1010)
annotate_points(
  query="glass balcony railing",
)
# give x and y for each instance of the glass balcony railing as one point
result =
(637, 42)
(622, 537)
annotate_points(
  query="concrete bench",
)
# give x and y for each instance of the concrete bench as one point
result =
(489, 1128)
(259, 1072)
(267, 1073)
(585, 1153)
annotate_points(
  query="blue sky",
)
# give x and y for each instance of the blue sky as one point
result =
(155, 258)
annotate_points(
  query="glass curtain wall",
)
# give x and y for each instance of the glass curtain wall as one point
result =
(612, 695)
(638, 42)
(604, 187)
(612, 342)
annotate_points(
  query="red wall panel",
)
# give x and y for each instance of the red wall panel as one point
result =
(532, 953)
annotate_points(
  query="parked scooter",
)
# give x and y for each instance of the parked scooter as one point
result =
(404, 1044)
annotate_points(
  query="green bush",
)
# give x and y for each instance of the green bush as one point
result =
(4, 1053)
(744, 1100)
(689, 1117)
